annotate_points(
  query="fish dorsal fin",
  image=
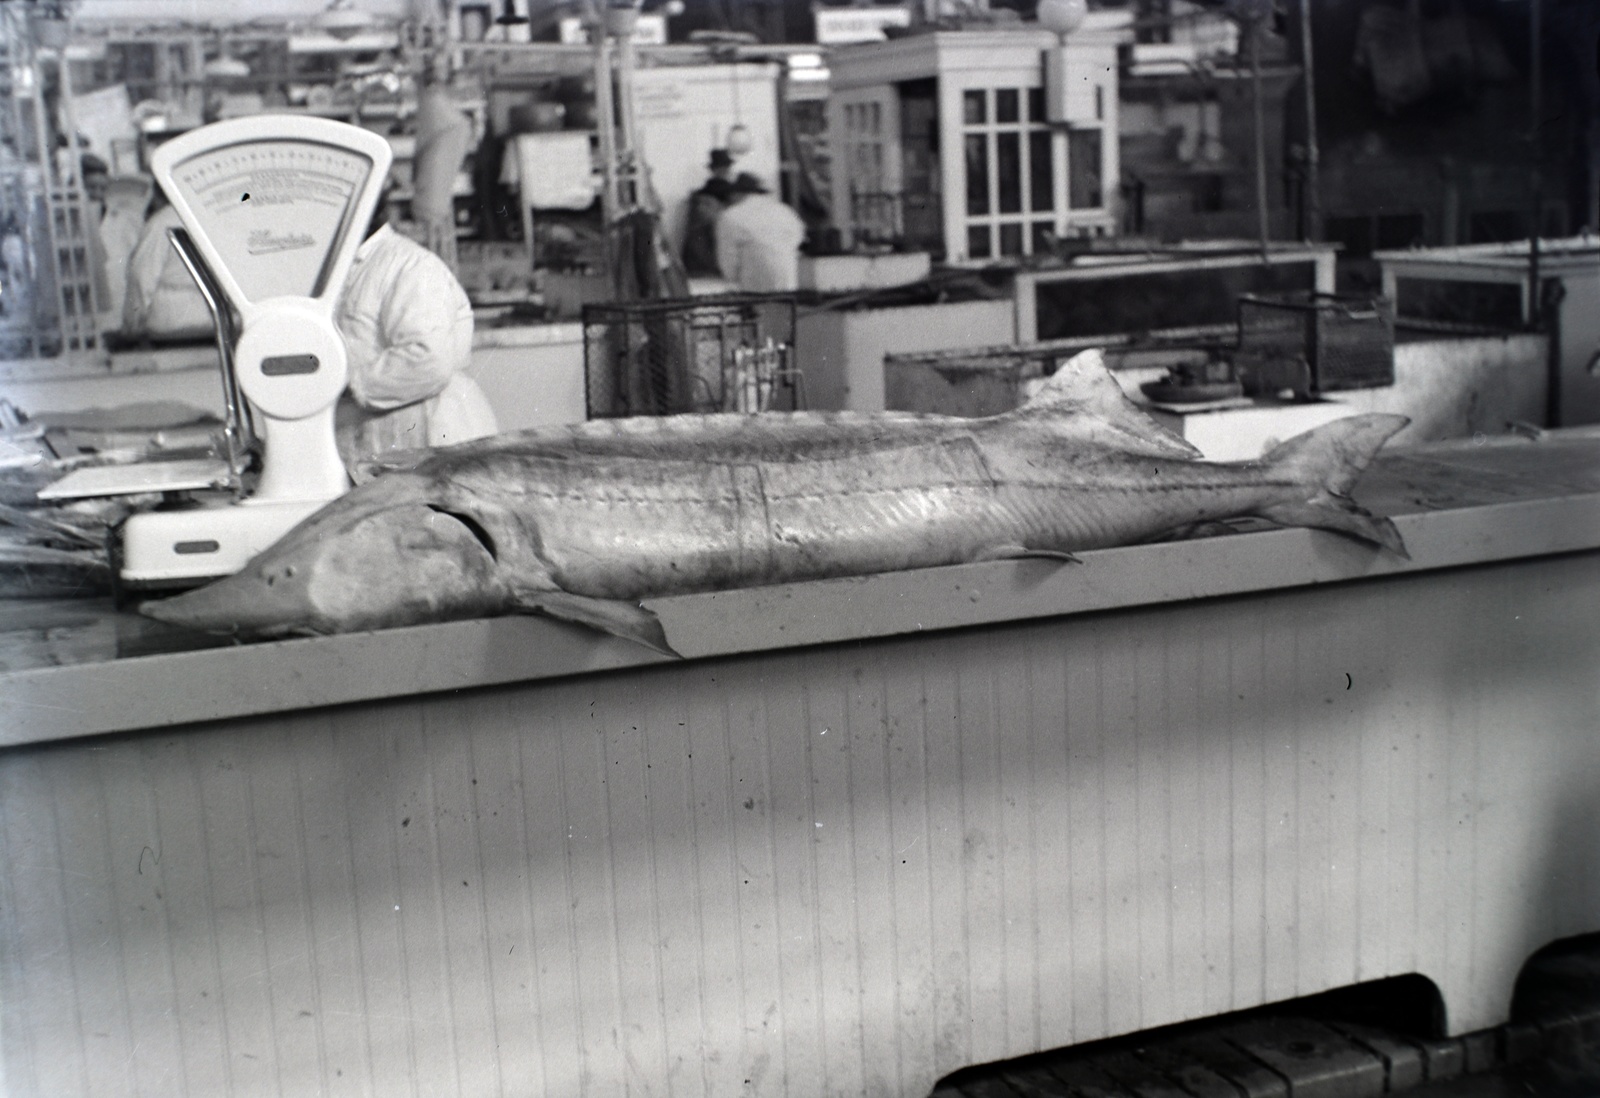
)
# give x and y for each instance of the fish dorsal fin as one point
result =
(1083, 383)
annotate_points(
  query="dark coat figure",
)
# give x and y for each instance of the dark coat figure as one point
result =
(705, 206)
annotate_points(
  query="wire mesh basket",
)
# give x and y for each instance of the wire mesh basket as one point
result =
(1343, 341)
(732, 353)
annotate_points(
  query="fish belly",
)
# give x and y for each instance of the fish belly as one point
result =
(1069, 498)
(626, 529)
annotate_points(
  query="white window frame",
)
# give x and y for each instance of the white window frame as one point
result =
(1027, 218)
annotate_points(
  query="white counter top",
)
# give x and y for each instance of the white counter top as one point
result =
(1456, 504)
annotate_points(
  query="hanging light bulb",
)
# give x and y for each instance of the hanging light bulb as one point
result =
(1062, 16)
(739, 141)
(225, 66)
(342, 19)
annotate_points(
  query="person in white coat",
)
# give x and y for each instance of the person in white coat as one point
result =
(407, 327)
(160, 300)
(758, 239)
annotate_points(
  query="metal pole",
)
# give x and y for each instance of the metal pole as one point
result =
(606, 110)
(1313, 188)
(1261, 135)
(1536, 180)
(627, 150)
(606, 123)
(1536, 302)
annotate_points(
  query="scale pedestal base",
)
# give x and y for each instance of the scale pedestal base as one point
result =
(164, 548)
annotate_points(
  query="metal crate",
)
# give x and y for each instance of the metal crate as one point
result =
(1317, 343)
(733, 353)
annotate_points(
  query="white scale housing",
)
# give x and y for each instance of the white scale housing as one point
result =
(277, 205)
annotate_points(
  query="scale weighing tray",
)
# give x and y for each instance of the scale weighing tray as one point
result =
(184, 475)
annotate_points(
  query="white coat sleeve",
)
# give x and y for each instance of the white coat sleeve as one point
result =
(727, 230)
(144, 275)
(425, 337)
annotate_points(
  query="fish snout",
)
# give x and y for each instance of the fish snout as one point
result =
(265, 599)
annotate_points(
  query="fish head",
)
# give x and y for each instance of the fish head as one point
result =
(370, 560)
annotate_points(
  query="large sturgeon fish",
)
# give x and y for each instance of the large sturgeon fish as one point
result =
(582, 522)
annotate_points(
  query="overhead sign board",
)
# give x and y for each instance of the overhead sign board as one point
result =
(841, 26)
(649, 30)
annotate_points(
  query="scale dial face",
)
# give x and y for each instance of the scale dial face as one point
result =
(277, 211)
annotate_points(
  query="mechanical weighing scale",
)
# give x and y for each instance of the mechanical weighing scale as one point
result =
(275, 206)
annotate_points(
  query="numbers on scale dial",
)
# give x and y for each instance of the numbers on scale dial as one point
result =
(274, 209)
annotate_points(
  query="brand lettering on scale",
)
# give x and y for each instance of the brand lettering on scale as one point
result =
(265, 241)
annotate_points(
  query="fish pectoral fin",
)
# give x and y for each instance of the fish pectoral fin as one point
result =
(1018, 552)
(628, 620)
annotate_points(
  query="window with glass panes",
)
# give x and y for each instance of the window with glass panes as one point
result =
(873, 208)
(1011, 172)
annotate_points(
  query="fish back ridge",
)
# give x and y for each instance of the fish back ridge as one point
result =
(1328, 460)
(1084, 384)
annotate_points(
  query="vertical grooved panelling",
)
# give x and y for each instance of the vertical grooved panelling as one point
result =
(1245, 702)
(871, 843)
(116, 1038)
(1187, 812)
(18, 849)
(1049, 769)
(273, 860)
(595, 772)
(512, 943)
(1122, 853)
(335, 915)
(1310, 813)
(1214, 746)
(791, 827)
(910, 863)
(1375, 841)
(1086, 832)
(981, 851)
(1428, 813)
(1152, 886)
(951, 1004)
(311, 1018)
(630, 883)
(372, 815)
(551, 837)
(669, 761)
(457, 845)
(1013, 725)
(761, 1057)
(1280, 817)
(839, 965)
(838, 871)
(1341, 717)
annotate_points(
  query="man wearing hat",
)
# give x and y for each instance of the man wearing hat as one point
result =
(758, 239)
(705, 206)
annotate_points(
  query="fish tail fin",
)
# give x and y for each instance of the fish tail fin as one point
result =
(1329, 459)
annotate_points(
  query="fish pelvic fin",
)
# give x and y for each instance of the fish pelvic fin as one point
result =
(620, 618)
(1021, 552)
(1330, 459)
(1083, 383)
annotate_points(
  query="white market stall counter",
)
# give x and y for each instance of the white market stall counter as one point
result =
(868, 832)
